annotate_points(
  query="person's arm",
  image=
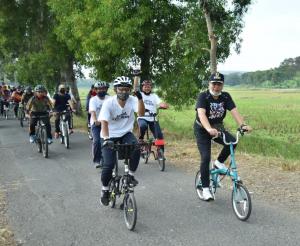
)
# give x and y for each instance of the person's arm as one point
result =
(141, 106)
(104, 129)
(205, 123)
(239, 119)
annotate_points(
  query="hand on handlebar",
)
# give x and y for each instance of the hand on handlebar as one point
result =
(213, 132)
(108, 143)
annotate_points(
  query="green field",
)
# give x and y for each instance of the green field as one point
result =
(273, 114)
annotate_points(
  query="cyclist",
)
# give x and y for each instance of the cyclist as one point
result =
(61, 101)
(117, 119)
(39, 105)
(16, 98)
(152, 102)
(211, 109)
(26, 95)
(5, 98)
(95, 106)
(92, 93)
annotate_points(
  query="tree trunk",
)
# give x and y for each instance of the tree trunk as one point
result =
(146, 57)
(212, 38)
(68, 78)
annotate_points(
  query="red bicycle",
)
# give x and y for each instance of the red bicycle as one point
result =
(153, 146)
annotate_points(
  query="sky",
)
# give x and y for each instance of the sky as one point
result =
(271, 34)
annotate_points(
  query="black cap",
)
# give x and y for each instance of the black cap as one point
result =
(216, 78)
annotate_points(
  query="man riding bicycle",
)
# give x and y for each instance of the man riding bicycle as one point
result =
(211, 109)
(95, 106)
(117, 119)
(152, 102)
(16, 98)
(61, 101)
(39, 105)
(5, 98)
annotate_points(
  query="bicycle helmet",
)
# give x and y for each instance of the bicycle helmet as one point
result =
(28, 89)
(40, 88)
(100, 84)
(122, 81)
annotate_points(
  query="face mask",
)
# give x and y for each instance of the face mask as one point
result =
(62, 91)
(123, 96)
(216, 94)
(101, 94)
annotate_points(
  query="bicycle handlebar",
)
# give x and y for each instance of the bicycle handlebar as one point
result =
(239, 132)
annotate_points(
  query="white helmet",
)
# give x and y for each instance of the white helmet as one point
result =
(122, 81)
(100, 84)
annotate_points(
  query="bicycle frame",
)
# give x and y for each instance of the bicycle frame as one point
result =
(232, 170)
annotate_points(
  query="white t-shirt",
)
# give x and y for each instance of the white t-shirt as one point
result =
(96, 105)
(120, 120)
(151, 102)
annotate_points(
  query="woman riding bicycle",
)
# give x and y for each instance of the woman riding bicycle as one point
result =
(211, 109)
(152, 102)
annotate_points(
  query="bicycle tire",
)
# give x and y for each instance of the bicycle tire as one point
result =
(241, 196)
(198, 185)
(22, 116)
(112, 192)
(130, 210)
(38, 143)
(161, 159)
(44, 141)
(66, 136)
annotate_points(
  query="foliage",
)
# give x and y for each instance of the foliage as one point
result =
(287, 75)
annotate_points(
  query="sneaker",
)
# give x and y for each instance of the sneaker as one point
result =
(207, 194)
(104, 200)
(219, 165)
(49, 140)
(56, 135)
(132, 181)
(31, 138)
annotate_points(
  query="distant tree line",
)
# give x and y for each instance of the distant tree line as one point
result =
(287, 75)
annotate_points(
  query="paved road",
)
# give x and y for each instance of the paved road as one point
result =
(55, 202)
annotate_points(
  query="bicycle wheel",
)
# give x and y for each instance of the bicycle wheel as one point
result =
(130, 210)
(38, 143)
(145, 153)
(22, 116)
(198, 185)
(241, 202)
(161, 159)
(112, 192)
(66, 135)
(44, 141)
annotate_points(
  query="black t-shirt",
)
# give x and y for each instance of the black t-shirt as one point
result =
(61, 101)
(215, 108)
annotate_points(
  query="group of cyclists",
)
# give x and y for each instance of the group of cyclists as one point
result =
(112, 118)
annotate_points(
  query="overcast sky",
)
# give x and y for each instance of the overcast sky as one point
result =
(271, 34)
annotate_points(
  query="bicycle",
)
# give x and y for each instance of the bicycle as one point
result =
(119, 185)
(240, 198)
(8, 109)
(158, 153)
(64, 128)
(21, 114)
(41, 138)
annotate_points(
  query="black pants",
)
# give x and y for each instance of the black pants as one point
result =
(16, 107)
(57, 121)
(109, 156)
(204, 146)
(2, 106)
(33, 122)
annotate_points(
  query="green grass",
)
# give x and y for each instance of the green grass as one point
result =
(273, 114)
